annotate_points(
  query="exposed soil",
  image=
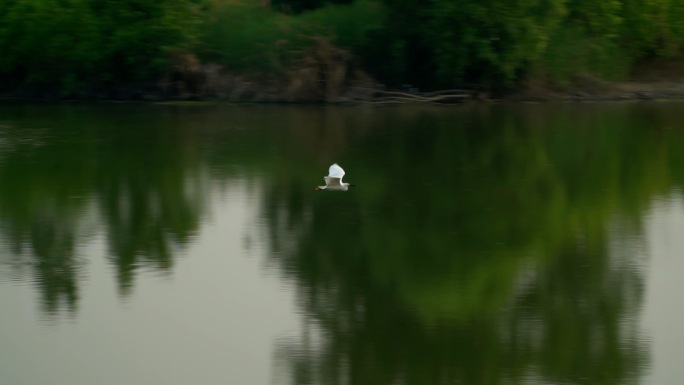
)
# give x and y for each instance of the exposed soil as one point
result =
(606, 92)
(653, 80)
(327, 74)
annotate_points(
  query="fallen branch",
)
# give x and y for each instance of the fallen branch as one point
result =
(386, 97)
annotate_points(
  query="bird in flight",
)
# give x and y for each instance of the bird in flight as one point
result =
(333, 181)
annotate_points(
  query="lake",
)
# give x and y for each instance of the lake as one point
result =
(162, 244)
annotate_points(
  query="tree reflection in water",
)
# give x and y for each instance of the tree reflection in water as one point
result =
(477, 249)
(151, 197)
(67, 172)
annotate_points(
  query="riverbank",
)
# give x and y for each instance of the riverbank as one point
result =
(605, 92)
(363, 91)
(331, 76)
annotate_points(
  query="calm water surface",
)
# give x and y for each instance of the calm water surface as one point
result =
(521, 244)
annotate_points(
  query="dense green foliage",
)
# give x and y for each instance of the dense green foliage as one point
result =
(105, 47)
(499, 42)
(72, 47)
(250, 37)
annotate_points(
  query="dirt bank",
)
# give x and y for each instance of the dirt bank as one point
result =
(657, 90)
(327, 74)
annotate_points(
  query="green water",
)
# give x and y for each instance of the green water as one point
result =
(500, 244)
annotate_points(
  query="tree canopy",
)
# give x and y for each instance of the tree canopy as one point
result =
(107, 48)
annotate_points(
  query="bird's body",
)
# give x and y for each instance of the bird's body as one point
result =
(333, 181)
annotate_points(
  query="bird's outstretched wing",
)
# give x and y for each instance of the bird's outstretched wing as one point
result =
(335, 171)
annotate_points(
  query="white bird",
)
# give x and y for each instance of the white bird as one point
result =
(333, 181)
